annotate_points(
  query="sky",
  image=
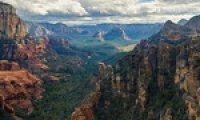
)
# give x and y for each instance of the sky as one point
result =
(73, 12)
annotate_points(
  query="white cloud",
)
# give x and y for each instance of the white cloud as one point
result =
(98, 11)
(110, 7)
(177, 1)
(45, 7)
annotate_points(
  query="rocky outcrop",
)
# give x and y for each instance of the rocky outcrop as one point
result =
(18, 87)
(116, 34)
(86, 110)
(33, 53)
(173, 32)
(11, 26)
(113, 34)
(99, 35)
(159, 79)
(30, 51)
(37, 30)
(148, 82)
(187, 76)
(6, 66)
(63, 29)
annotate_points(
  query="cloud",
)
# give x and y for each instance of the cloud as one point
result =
(46, 7)
(178, 1)
(110, 7)
(98, 11)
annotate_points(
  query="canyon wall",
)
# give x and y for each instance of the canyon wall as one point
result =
(158, 80)
(11, 26)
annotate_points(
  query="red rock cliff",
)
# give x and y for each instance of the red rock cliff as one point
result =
(17, 87)
(11, 26)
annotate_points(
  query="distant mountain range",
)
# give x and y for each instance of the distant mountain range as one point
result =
(123, 31)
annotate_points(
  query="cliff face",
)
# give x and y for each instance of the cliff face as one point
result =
(17, 87)
(88, 108)
(11, 26)
(158, 80)
(30, 52)
(86, 111)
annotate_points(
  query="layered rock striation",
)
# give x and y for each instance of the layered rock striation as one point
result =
(18, 87)
(11, 26)
(159, 79)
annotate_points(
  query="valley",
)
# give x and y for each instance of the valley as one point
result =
(103, 71)
(65, 66)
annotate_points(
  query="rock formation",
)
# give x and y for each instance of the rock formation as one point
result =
(11, 26)
(37, 30)
(116, 34)
(17, 87)
(99, 36)
(159, 79)
(87, 110)
(172, 31)
(29, 52)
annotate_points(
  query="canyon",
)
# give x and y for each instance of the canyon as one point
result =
(49, 77)
(159, 79)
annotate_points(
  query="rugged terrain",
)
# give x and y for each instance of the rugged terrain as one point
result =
(18, 86)
(25, 64)
(134, 32)
(43, 77)
(159, 79)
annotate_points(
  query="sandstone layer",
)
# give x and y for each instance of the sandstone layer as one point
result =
(18, 87)
(11, 26)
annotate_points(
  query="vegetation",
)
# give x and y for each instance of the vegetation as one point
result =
(75, 84)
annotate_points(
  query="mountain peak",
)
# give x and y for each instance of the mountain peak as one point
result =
(169, 23)
(172, 31)
(194, 24)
